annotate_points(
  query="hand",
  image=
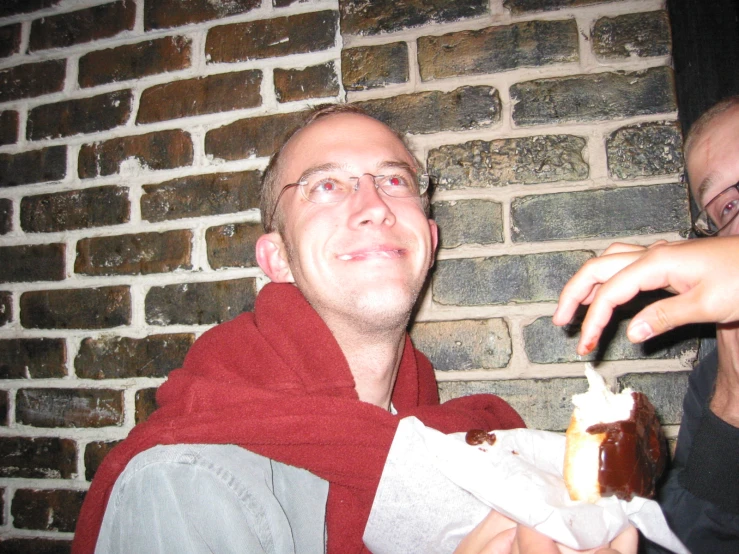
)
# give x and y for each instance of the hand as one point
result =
(702, 273)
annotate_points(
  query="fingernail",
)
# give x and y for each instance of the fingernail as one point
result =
(640, 331)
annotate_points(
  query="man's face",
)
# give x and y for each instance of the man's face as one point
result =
(713, 161)
(361, 261)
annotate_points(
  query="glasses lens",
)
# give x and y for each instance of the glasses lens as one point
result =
(402, 184)
(325, 188)
(719, 212)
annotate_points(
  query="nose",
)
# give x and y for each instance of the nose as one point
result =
(369, 205)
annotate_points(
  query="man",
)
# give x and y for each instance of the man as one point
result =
(701, 495)
(273, 435)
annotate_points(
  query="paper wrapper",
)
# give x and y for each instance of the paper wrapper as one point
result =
(436, 488)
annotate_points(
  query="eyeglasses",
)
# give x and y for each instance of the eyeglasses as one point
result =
(331, 187)
(719, 212)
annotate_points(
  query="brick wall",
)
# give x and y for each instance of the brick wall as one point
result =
(132, 136)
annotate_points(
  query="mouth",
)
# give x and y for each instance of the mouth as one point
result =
(381, 253)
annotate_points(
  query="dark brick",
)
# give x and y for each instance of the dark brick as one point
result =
(600, 213)
(75, 209)
(640, 34)
(35, 546)
(201, 195)
(73, 117)
(10, 40)
(318, 81)
(32, 79)
(468, 222)
(462, 109)
(233, 245)
(99, 308)
(284, 3)
(593, 97)
(6, 307)
(370, 18)
(122, 357)
(8, 127)
(4, 406)
(271, 38)
(199, 303)
(67, 29)
(34, 166)
(542, 403)
(547, 344)
(665, 390)
(6, 216)
(368, 67)
(3, 493)
(158, 150)
(162, 14)
(134, 61)
(15, 7)
(505, 279)
(33, 358)
(36, 262)
(95, 453)
(496, 49)
(203, 95)
(46, 510)
(137, 254)
(69, 408)
(645, 150)
(38, 458)
(520, 6)
(146, 403)
(461, 345)
(525, 160)
(257, 136)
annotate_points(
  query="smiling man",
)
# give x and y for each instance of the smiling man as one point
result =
(273, 435)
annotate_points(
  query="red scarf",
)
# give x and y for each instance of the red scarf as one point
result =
(276, 383)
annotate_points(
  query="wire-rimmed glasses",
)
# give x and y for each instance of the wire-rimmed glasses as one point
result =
(718, 213)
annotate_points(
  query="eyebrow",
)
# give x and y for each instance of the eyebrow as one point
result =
(706, 184)
(332, 166)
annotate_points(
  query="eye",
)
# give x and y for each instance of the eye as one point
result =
(398, 182)
(729, 209)
(325, 189)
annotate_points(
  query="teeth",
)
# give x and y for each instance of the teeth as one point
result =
(345, 257)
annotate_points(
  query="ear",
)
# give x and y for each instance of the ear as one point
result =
(272, 258)
(434, 239)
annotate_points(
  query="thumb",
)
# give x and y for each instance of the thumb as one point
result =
(666, 314)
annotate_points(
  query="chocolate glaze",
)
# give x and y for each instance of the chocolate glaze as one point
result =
(478, 436)
(633, 454)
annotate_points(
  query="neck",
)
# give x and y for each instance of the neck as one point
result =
(725, 401)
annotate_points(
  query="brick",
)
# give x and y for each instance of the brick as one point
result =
(38, 458)
(203, 95)
(122, 357)
(134, 61)
(369, 67)
(201, 195)
(6, 216)
(253, 137)
(547, 344)
(3, 494)
(15, 7)
(462, 345)
(645, 150)
(379, 16)
(468, 222)
(33, 359)
(95, 453)
(463, 109)
(512, 161)
(6, 308)
(146, 403)
(69, 408)
(34, 166)
(496, 49)
(158, 150)
(505, 279)
(284, 3)
(163, 14)
(32, 79)
(635, 34)
(98, 308)
(199, 303)
(81, 26)
(10, 40)
(318, 81)
(272, 38)
(46, 510)
(233, 245)
(36, 262)
(8, 127)
(4, 406)
(542, 403)
(35, 546)
(521, 6)
(611, 212)
(136, 254)
(665, 390)
(74, 117)
(595, 97)
(75, 209)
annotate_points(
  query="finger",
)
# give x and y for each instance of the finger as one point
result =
(488, 529)
(621, 247)
(502, 543)
(627, 542)
(666, 314)
(530, 541)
